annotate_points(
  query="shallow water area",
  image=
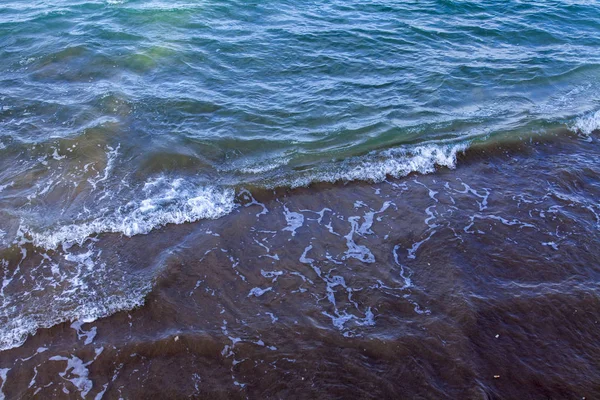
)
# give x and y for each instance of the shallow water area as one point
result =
(337, 199)
(478, 281)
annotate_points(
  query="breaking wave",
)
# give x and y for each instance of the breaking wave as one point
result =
(377, 166)
(587, 123)
(178, 203)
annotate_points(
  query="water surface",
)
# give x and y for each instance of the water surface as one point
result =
(197, 182)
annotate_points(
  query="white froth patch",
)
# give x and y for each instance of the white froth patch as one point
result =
(588, 123)
(340, 319)
(294, 220)
(273, 317)
(77, 372)
(257, 292)
(413, 250)
(88, 335)
(359, 252)
(247, 196)
(172, 202)
(271, 274)
(550, 244)
(57, 156)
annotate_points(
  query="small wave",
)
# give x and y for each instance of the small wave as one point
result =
(167, 202)
(178, 201)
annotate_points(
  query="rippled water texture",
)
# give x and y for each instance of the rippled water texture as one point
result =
(107, 105)
(299, 199)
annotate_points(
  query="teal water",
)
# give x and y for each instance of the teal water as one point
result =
(125, 115)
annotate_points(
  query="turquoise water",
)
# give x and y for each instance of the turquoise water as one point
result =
(126, 115)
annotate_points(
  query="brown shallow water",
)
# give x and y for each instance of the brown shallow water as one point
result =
(479, 282)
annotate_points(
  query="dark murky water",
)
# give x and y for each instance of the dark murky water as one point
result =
(479, 282)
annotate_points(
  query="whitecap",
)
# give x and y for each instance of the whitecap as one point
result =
(588, 123)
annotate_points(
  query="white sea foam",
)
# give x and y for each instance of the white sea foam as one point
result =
(360, 252)
(396, 162)
(172, 202)
(77, 372)
(88, 335)
(588, 123)
(294, 220)
(257, 292)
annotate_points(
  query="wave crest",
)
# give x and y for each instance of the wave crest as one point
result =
(377, 166)
(588, 123)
